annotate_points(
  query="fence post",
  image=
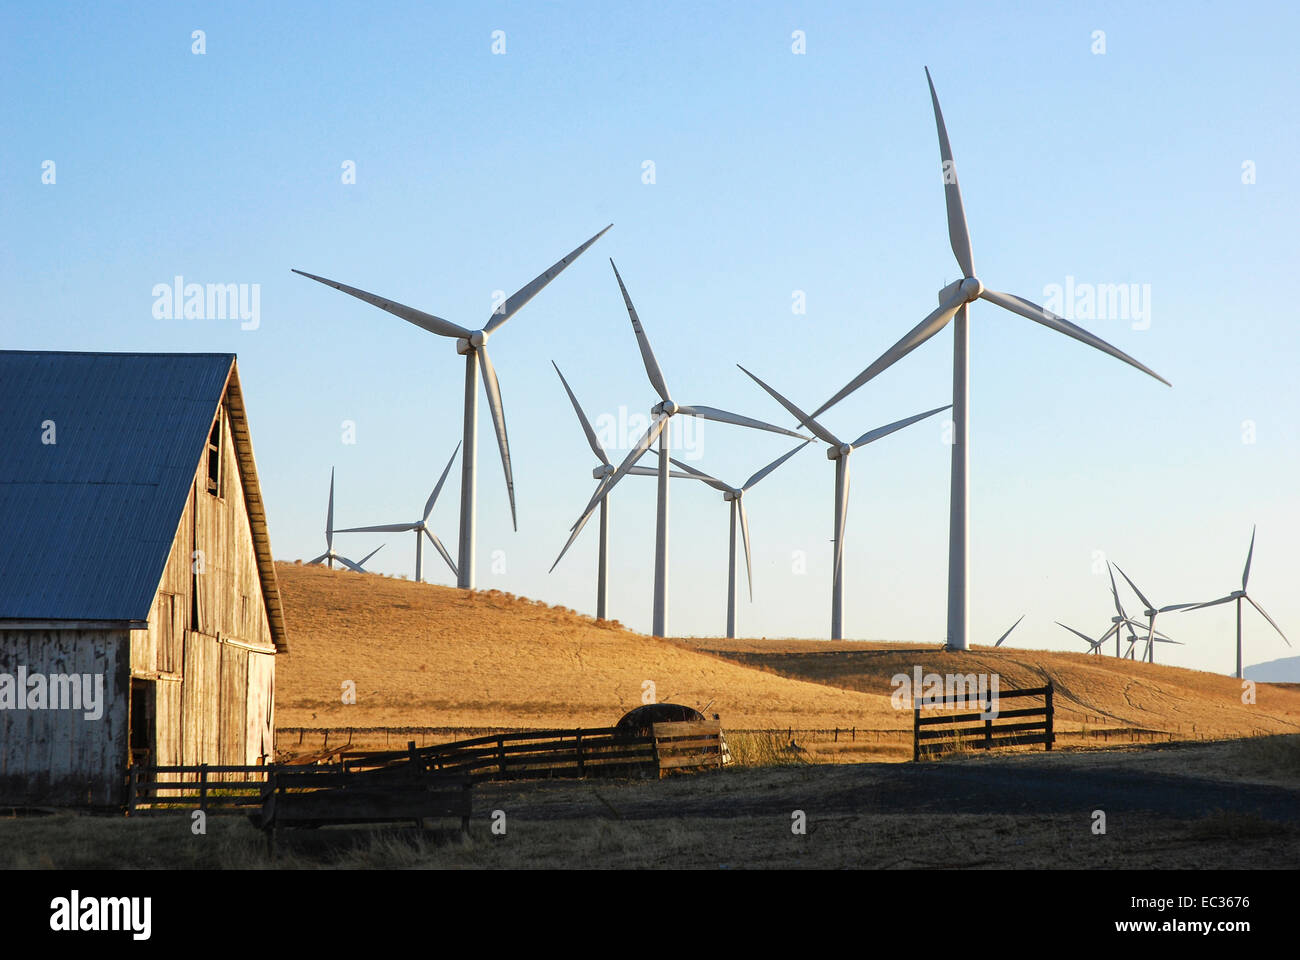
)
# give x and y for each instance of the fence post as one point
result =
(501, 755)
(1051, 735)
(581, 769)
(132, 788)
(203, 786)
(916, 732)
(988, 721)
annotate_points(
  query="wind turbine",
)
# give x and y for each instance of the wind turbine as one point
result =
(472, 344)
(1095, 645)
(662, 413)
(1151, 612)
(735, 496)
(839, 451)
(601, 473)
(1240, 595)
(419, 527)
(1008, 633)
(1122, 619)
(329, 556)
(954, 301)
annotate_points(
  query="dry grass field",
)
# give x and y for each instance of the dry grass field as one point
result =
(432, 656)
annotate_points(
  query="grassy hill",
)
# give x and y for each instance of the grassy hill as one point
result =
(425, 655)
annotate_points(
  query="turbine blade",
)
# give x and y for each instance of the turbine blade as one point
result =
(1008, 633)
(1147, 603)
(714, 482)
(1269, 619)
(922, 332)
(1033, 311)
(594, 443)
(499, 422)
(577, 529)
(362, 562)
(724, 416)
(1214, 603)
(647, 439)
(329, 515)
(427, 321)
(841, 519)
(1177, 606)
(323, 557)
(433, 537)
(349, 564)
(872, 435)
(773, 465)
(744, 531)
(433, 497)
(1245, 574)
(647, 355)
(958, 234)
(1078, 633)
(805, 419)
(532, 289)
(383, 528)
(1114, 592)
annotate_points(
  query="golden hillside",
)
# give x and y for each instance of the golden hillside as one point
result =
(426, 655)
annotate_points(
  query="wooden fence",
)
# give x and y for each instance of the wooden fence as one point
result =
(940, 732)
(542, 754)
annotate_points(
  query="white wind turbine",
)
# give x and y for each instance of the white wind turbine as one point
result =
(735, 497)
(1151, 612)
(954, 301)
(839, 451)
(1240, 595)
(419, 527)
(1122, 620)
(601, 474)
(662, 413)
(329, 556)
(472, 344)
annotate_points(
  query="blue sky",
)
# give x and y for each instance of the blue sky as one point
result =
(774, 172)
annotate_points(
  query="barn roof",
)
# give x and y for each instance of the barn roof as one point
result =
(87, 522)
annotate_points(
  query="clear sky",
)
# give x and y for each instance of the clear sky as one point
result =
(774, 172)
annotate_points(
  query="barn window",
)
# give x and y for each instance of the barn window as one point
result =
(214, 459)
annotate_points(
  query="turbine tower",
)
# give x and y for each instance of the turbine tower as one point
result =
(419, 527)
(954, 301)
(839, 451)
(1240, 595)
(735, 496)
(472, 344)
(601, 473)
(329, 556)
(662, 413)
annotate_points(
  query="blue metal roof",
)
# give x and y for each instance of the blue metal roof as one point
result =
(87, 523)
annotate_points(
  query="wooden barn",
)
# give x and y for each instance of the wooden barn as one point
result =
(139, 613)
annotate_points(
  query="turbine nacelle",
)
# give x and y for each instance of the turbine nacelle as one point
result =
(665, 408)
(971, 289)
(602, 471)
(471, 343)
(835, 453)
(732, 494)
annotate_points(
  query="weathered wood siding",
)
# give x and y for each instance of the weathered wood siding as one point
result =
(207, 629)
(60, 756)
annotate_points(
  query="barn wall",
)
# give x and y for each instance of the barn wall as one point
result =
(214, 693)
(50, 757)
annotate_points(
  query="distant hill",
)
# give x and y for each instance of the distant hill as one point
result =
(1284, 670)
(426, 655)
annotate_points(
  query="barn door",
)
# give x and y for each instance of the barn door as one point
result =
(144, 710)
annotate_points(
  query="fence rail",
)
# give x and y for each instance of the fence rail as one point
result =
(937, 733)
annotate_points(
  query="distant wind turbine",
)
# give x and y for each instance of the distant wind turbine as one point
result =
(662, 413)
(839, 451)
(954, 301)
(1151, 613)
(329, 556)
(419, 527)
(472, 344)
(1240, 595)
(735, 496)
(1008, 633)
(602, 474)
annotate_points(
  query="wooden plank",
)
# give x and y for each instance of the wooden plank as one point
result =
(965, 717)
(714, 760)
